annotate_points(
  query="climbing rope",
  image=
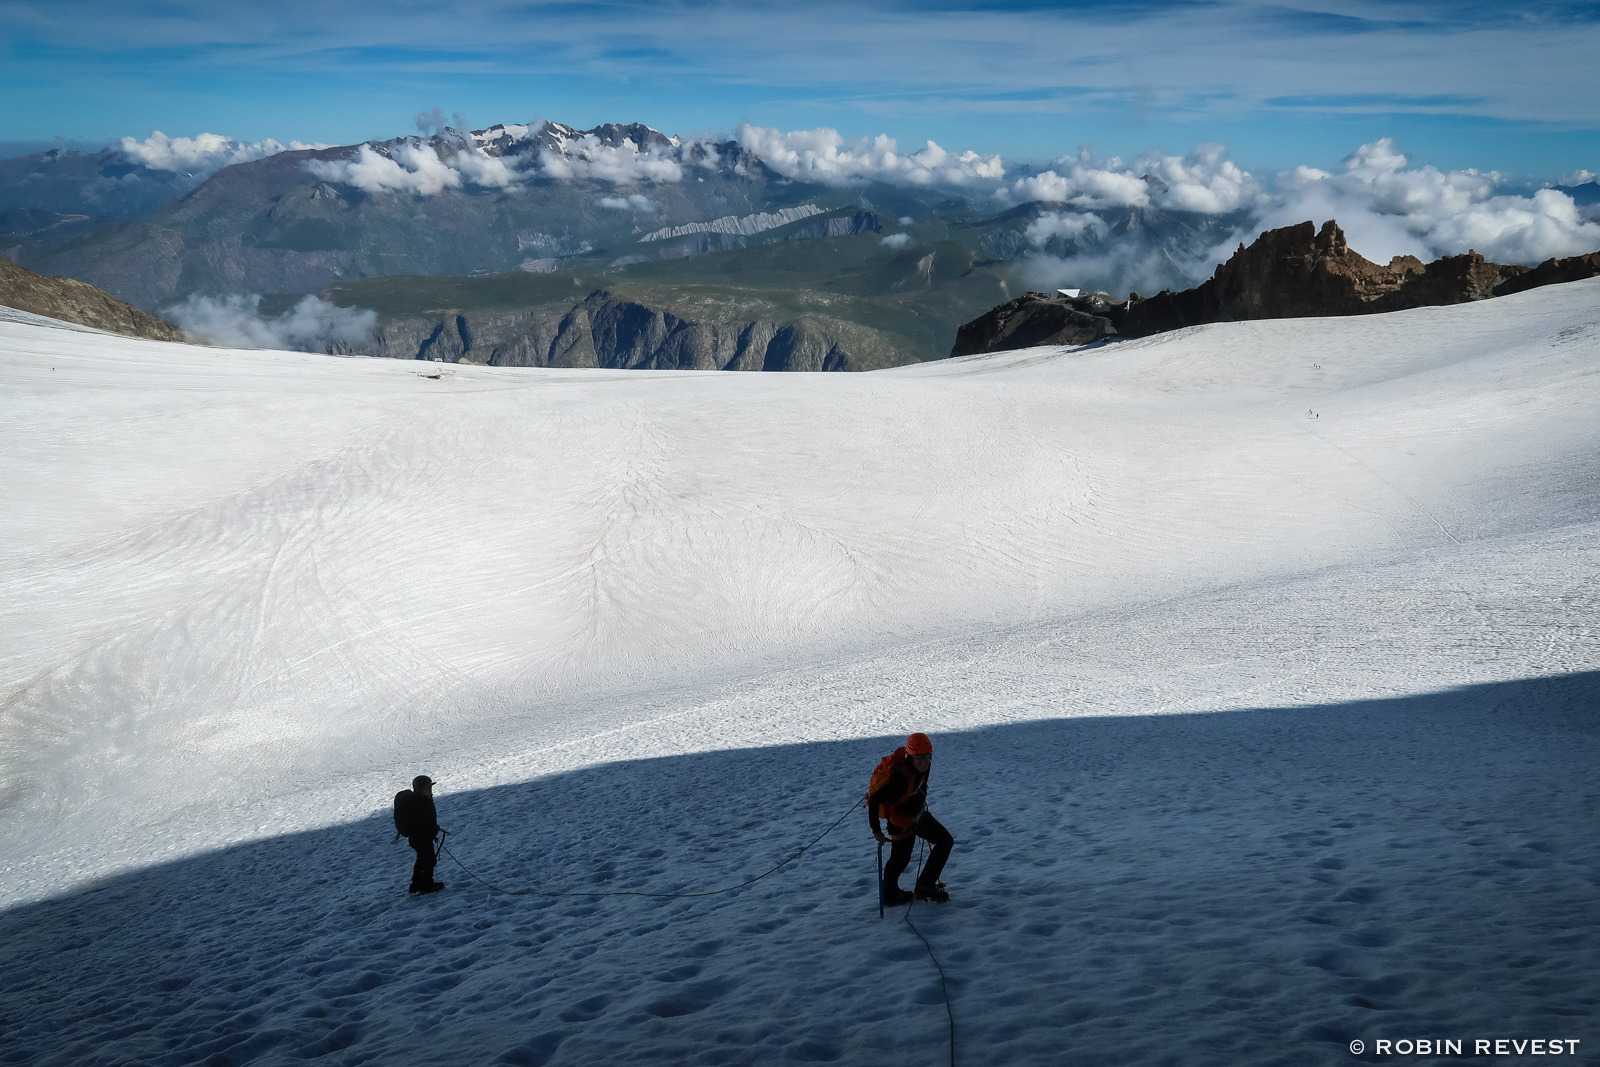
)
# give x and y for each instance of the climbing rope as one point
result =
(676, 896)
(943, 988)
(921, 853)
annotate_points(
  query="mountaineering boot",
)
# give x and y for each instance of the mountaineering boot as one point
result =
(431, 887)
(934, 893)
(894, 896)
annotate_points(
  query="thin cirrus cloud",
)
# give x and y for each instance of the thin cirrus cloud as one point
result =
(1222, 60)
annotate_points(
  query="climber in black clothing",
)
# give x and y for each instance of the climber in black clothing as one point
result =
(901, 793)
(416, 819)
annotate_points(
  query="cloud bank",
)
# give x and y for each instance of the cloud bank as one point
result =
(1204, 181)
(822, 155)
(236, 322)
(1388, 208)
(418, 169)
(203, 155)
(625, 164)
(1385, 206)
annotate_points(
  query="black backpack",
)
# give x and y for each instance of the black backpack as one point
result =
(405, 812)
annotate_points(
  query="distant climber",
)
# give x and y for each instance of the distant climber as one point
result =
(899, 789)
(416, 820)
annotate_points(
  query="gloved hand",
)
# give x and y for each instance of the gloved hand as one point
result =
(879, 835)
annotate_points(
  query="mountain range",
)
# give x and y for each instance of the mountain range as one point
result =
(620, 208)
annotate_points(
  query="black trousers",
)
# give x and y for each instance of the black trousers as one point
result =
(422, 870)
(930, 830)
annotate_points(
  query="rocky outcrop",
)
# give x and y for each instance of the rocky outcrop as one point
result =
(1553, 272)
(1293, 272)
(612, 331)
(74, 301)
(838, 226)
(1034, 319)
(743, 225)
(1299, 271)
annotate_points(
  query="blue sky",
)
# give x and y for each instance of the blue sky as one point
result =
(1458, 84)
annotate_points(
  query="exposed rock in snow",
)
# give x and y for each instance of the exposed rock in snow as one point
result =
(744, 225)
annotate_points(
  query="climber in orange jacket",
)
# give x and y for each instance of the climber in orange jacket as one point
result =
(899, 790)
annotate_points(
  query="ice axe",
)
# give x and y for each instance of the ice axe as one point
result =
(880, 879)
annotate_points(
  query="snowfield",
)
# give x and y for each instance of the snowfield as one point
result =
(1261, 662)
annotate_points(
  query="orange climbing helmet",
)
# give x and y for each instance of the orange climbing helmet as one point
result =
(919, 745)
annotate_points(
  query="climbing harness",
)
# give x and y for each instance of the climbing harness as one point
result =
(677, 896)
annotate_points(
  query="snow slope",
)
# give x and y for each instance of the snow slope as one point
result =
(1260, 659)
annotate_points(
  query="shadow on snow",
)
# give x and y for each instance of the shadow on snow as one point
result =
(1255, 886)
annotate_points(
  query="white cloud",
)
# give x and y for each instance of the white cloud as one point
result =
(1204, 181)
(896, 240)
(624, 164)
(1119, 267)
(418, 169)
(823, 155)
(202, 155)
(1578, 177)
(435, 121)
(1042, 230)
(488, 172)
(236, 322)
(636, 202)
(1388, 208)
(1519, 229)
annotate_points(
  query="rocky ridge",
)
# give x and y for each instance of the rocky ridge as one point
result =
(613, 331)
(1293, 272)
(79, 302)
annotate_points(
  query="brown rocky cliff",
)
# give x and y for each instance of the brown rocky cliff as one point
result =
(79, 302)
(1299, 271)
(1294, 272)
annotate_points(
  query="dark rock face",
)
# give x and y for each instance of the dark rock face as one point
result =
(1553, 272)
(612, 331)
(1300, 272)
(1033, 319)
(1294, 272)
(73, 301)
